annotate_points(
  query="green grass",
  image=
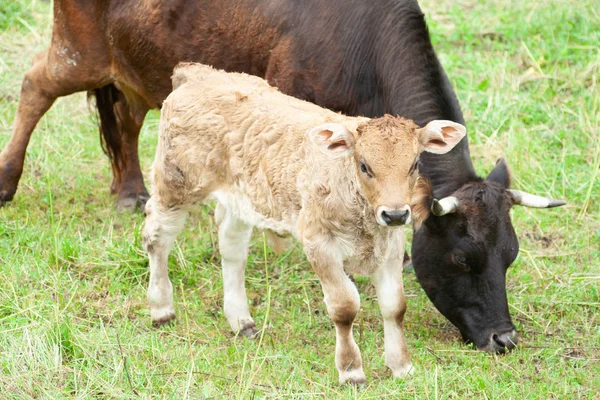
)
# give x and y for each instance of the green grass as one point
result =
(73, 315)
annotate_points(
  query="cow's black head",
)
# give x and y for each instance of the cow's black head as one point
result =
(462, 247)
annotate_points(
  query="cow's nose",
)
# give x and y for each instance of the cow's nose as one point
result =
(506, 341)
(395, 217)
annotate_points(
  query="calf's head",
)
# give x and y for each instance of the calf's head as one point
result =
(462, 247)
(384, 152)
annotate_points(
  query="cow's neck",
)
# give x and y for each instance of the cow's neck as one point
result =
(418, 88)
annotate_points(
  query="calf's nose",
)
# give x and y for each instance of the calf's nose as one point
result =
(395, 217)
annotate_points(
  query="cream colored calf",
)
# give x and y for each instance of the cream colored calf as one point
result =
(338, 184)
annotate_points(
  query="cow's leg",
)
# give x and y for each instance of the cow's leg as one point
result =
(343, 302)
(38, 92)
(160, 230)
(60, 71)
(234, 239)
(387, 280)
(130, 190)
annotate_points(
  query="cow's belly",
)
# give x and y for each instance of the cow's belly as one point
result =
(240, 206)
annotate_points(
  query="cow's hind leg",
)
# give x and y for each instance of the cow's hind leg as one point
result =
(234, 239)
(161, 227)
(37, 95)
(121, 120)
(50, 77)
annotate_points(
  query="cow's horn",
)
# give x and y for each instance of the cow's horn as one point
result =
(531, 200)
(447, 205)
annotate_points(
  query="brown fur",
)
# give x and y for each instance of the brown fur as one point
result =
(421, 202)
(124, 52)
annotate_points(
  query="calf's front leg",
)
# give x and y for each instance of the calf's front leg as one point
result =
(387, 280)
(343, 302)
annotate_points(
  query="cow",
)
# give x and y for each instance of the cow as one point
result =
(339, 184)
(357, 57)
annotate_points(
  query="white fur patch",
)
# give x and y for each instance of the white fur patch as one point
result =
(241, 207)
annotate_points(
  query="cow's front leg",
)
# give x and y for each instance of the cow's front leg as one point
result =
(343, 303)
(387, 280)
(234, 239)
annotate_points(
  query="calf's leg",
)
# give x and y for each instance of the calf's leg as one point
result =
(234, 239)
(387, 280)
(343, 302)
(160, 230)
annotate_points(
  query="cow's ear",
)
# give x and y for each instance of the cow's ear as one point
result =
(500, 174)
(440, 136)
(334, 140)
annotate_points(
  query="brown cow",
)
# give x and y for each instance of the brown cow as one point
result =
(272, 161)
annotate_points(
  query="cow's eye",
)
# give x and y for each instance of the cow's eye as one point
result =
(461, 261)
(364, 169)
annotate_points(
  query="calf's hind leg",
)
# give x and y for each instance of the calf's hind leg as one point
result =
(234, 239)
(161, 227)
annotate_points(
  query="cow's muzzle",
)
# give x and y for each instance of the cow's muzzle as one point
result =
(500, 343)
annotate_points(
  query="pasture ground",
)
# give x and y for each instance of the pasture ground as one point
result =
(73, 315)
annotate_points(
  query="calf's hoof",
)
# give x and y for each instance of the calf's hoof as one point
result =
(133, 202)
(353, 377)
(403, 372)
(162, 317)
(249, 330)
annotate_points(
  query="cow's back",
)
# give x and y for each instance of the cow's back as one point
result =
(323, 52)
(148, 38)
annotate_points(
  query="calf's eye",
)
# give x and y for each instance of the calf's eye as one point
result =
(364, 169)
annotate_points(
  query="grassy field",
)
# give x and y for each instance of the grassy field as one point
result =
(73, 314)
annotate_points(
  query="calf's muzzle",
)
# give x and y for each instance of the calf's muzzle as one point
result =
(393, 217)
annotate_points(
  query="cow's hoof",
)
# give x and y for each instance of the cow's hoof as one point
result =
(354, 377)
(133, 202)
(162, 317)
(6, 196)
(403, 372)
(9, 180)
(249, 330)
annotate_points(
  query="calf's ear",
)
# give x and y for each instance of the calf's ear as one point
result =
(334, 140)
(440, 136)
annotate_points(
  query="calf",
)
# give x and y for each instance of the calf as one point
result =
(336, 183)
